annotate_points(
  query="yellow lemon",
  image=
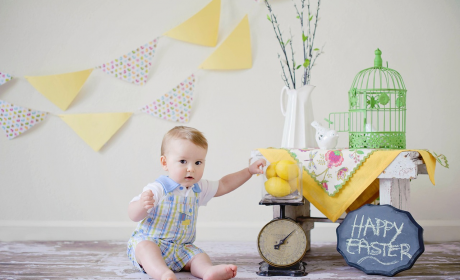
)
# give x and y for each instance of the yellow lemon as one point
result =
(271, 172)
(294, 183)
(287, 169)
(277, 187)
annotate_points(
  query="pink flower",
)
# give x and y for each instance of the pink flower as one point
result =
(341, 173)
(325, 186)
(334, 158)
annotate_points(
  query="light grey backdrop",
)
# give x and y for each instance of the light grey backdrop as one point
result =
(54, 186)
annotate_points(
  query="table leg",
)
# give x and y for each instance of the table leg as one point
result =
(395, 192)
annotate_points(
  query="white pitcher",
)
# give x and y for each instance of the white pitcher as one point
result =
(297, 132)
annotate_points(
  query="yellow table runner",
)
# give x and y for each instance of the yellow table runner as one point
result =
(361, 188)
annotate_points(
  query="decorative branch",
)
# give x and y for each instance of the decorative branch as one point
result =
(316, 24)
(309, 29)
(312, 42)
(304, 38)
(308, 39)
(292, 56)
(279, 36)
(320, 51)
(285, 80)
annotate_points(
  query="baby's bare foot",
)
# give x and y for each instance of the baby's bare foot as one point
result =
(220, 272)
(168, 276)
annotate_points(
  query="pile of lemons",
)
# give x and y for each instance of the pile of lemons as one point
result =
(282, 178)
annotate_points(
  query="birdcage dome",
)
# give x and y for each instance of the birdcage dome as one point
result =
(378, 78)
(377, 108)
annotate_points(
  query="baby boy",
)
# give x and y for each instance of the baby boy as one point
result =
(167, 210)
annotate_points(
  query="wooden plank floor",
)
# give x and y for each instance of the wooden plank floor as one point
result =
(107, 260)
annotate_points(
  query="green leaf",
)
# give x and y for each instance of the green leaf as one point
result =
(298, 66)
(310, 18)
(360, 152)
(316, 49)
(304, 38)
(288, 41)
(269, 18)
(297, 16)
(306, 63)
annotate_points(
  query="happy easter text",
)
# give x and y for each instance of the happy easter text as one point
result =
(386, 253)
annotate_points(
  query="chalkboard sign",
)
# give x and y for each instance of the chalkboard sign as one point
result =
(380, 239)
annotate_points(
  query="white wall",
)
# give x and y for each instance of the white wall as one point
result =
(54, 186)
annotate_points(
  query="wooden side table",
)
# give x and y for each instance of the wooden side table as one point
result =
(394, 189)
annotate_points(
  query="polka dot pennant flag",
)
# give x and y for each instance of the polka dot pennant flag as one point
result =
(176, 105)
(4, 78)
(15, 120)
(134, 66)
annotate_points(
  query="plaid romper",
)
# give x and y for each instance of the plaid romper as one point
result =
(171, 225)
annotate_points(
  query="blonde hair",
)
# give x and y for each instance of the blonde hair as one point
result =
(186, 133)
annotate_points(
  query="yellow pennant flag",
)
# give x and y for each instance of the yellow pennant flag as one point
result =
(202, 28)
(234, 52)
(96, 129)
(60, 89)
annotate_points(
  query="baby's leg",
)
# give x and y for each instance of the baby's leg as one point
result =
(200, 266)
(148, 255)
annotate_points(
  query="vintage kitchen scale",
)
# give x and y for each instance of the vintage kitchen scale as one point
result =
(282, 243)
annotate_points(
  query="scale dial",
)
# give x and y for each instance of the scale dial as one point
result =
(282, 243)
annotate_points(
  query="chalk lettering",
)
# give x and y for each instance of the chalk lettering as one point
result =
(350, 244)
(374, 258)
(398, 231)
(363, 244)
(392, 248)
(353, 227)
(379, 222)
(383, 249)
(360, 226)
(371, 225)
(373, 249)
(377, 251)
(387, 228)
(405, 250)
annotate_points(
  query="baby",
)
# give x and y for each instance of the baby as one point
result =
(167, 210)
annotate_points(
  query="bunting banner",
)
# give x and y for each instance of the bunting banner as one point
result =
(202, 28)
(235, 52)
(16, 120)
(96, 129)
(176, 105)
(4, 78)
(60, 89)
(134, 66)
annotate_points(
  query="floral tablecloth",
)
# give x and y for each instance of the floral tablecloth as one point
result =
(331, 169)
(344, 179)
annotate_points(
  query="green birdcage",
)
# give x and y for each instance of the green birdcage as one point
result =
(377, 109)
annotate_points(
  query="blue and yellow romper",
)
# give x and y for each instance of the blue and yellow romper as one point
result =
(171, 225)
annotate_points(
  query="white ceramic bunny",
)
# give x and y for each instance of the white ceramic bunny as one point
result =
(326, 138)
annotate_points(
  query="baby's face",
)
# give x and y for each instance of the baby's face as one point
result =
(184, 161)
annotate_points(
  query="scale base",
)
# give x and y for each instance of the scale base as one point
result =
(297, 270)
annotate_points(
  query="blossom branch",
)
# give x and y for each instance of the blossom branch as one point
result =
(279, 36)
(285, 79)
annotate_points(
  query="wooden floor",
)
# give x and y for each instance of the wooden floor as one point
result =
(107, 260)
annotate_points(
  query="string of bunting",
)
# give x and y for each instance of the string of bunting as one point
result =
(133, 67)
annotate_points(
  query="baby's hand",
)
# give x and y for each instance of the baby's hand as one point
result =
(256, 167)
(147, 199)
